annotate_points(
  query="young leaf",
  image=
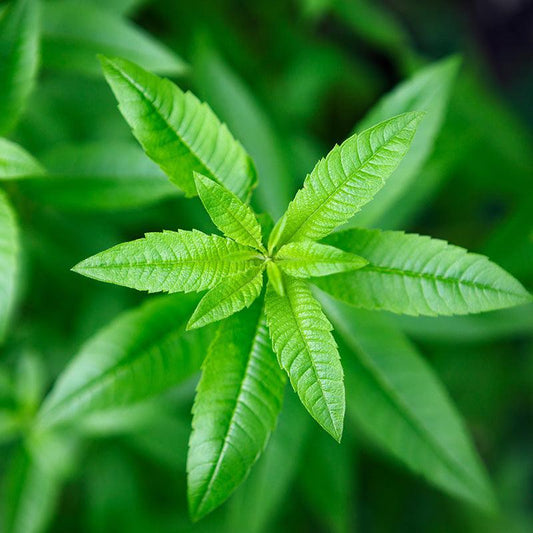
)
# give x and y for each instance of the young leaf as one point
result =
(411, 274)
(428, 90)
(345, 180)
(394, 396)
(140, 354)
(9, 250)
(15, 162)
(170, 262)
(302, 339)
(228, 297)
(75, 32)
(99, 177)
(306, 259)
(19, 43)
(238, 400)
(229, 214)
(275, 278)
(177, 131)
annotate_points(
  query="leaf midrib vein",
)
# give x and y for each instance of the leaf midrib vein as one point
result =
(226, 442)
(435, 277)
(307, 349)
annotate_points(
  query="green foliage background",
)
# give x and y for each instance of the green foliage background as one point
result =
(290, 79)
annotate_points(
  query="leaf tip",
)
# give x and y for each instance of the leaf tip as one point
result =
(192, 324)
(195, 514)
(78, 268)
(337, 430)
(416, 117)
(201, 178)
(199, 507)
(104, 60)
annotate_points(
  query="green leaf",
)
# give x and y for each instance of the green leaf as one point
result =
(140, 354)
(237, 105)
(228, 297)
(31, 491)
(417, 275)
(99, 177)
(428, 90)
(75, 32)
(308, 259)
(275, 278)
(395, 397)
(487, 327)
(15, 162)
(19, 44)
(122, 7)
(237, 403)
(177, 131)
(9, 254)
(170, 262)
(302, 339)
(261, 497)
(345, 180)
(229, 214)
(375, 24)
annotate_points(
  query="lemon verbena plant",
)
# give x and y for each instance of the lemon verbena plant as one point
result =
(263, 282)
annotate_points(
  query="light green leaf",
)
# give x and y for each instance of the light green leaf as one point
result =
(238, 107)
(238, 400)
(19, 45)
(170, 262)
(75, 32)
(411, 274)
(306, 259)
(9, 253)
(15, 162)
(302, 339)
(99, 177)
(228, 297)
(396, 399)
(428, 90)
(177, 131)
(229, 214)
(275, 278)
(140, 354)
(345, 180)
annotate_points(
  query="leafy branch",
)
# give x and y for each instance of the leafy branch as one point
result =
(259, 285)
